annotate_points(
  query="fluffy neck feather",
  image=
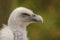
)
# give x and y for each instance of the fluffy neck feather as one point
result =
(19, 32)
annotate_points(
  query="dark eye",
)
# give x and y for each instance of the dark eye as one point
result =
(25, 14)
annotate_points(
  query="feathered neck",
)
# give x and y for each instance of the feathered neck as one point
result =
(19, 32)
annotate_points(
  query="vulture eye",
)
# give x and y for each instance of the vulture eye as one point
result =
(25, 14)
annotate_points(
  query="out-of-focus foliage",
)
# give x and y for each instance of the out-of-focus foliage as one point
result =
(48, 9)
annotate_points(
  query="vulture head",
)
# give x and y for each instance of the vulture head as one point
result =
(23, 16)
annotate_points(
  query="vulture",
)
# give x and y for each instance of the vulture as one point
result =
(17, 23)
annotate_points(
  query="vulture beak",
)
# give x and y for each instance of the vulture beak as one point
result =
(37, 18)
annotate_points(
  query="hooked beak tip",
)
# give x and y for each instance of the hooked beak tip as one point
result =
(41, 19)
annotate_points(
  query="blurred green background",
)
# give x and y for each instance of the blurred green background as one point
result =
(48, 9)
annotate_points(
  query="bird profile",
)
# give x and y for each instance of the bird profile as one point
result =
(18, 20)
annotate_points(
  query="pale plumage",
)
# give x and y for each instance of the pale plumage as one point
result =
(17, 23)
